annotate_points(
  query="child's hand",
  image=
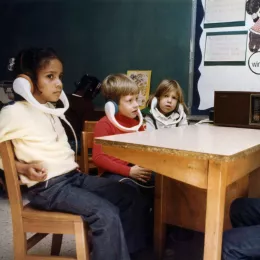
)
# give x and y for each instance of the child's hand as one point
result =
(33, 171)
(36, 172)
(139, 173)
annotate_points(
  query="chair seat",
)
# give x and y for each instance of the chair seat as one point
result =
(32, 213)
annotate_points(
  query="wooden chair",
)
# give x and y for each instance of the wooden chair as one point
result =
(84, 164)
(89, 126)
(86, 146)
(27, 219)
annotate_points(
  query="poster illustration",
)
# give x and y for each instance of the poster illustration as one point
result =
(253, 9)
(143, 81)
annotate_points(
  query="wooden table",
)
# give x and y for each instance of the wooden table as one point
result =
(208, 158)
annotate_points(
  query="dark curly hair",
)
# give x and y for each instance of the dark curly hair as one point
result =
(252, 6)
(29, 61)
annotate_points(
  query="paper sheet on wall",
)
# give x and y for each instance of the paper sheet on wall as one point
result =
(223, 48)
(224, 11)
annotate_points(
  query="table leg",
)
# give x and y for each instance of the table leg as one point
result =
(159, 225)
(216, 193)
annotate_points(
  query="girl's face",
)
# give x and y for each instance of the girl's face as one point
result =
(49, 82)
(168, 102)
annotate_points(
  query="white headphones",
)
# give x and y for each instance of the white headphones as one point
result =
(23, 86)
(111, 108)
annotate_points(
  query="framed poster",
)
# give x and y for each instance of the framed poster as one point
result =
(143, 81)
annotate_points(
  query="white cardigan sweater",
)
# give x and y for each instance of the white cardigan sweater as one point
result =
(37, 137)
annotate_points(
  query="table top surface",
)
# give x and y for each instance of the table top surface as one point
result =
(208, 140)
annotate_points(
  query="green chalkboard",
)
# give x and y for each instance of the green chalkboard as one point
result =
(142, 35)
(104, 37)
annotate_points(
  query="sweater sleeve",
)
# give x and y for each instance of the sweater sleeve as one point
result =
(11, 124)
(106, 162)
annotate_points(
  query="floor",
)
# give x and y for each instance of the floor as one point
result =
(181, 244)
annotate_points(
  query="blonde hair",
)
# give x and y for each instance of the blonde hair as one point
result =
(117, 85)
(166, 86)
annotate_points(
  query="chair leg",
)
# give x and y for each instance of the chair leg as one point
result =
(81, 241)
(56, 244)
(20, 245)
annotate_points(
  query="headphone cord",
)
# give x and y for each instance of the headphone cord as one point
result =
(143, 186)
(74, 134)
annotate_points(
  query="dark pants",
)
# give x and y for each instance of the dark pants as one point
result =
(243, 241)
(130, 181)
(146, 190)
(114, 211)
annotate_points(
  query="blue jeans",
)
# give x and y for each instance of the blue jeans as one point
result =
(243, 241)
(114, 211)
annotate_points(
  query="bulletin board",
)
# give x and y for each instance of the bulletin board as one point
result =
(226, 51)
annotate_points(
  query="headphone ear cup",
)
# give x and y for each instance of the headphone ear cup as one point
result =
(24, 76)
(154, 102)
(113, 105)
(116, 107)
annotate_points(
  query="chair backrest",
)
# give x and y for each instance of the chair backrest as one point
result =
(11, 177)
(87, 145)
(89, 126)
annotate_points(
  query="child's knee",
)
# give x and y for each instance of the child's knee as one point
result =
(108, 217)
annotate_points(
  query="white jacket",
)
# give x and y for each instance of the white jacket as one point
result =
(161, 121)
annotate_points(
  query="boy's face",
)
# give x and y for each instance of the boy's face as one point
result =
(128, 106)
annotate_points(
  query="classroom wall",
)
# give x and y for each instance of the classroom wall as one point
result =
(102, 37)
